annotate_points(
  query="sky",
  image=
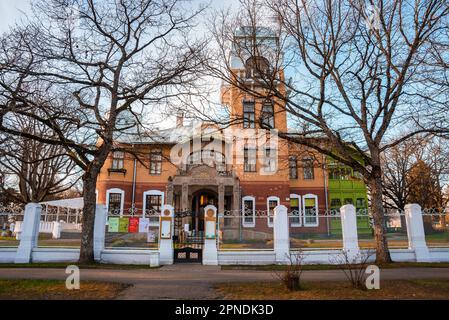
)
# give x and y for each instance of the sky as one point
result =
(11, 11)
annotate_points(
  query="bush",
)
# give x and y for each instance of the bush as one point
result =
(291, 277)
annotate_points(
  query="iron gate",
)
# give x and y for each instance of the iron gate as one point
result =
(188, 245)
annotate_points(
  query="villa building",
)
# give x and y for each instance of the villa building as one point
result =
(236, 175)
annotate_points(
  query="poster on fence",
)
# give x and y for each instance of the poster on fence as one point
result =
(133, 225)
(123, 224)
(143, 225)
(151, 236)
(113, 224)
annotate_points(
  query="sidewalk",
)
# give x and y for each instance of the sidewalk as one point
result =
(194, 281)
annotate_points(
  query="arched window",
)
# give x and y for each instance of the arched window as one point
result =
(295, 210)
(272, 202)
(256, 67)
(153, 200)
(115, 199)
(249, 211)
(310, 205)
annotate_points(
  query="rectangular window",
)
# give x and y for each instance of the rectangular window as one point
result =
(248, 115)
(310, 212)
(156, 162)
(153, 207)
(348, 201)
(308, 170)
(293, 167)
(295, 212)
(248, 212)
(115, 203)
(118, 159)
(335, 203)
(268, 114)
(250, 157)
(360, 203)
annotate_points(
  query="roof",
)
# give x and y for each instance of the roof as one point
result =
(74, 203)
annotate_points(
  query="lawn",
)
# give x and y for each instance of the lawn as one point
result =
(276, 267)
(56, 290)
(392, 289)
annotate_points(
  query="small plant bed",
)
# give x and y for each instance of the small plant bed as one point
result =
(392, 289)
(56, 290)
(334, 267)
(81, 266)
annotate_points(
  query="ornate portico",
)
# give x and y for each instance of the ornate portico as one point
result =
(183, 187)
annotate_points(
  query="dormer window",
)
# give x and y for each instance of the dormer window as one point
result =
(256, 67)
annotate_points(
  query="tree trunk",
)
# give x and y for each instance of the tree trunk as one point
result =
(87, 235)
(375, 184)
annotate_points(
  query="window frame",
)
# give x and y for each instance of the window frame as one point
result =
(315, 197)
(122, 198)
(290, 160)
(144, 204)
(120, 160)
(296, 224)
(304, 167)
(253, 223)
(270, 218)
(158, 162)
(246, 157)
(263, 114)
(249, 117)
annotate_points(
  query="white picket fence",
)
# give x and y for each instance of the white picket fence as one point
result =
(54, 228)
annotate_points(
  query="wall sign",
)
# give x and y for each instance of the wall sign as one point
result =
(143, 225)
(133, 225)
(113, 224)
(123, 224)
(210, 224)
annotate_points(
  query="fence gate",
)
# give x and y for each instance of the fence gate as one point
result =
(188, 244)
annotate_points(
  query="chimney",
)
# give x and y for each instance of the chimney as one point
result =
(179, 119)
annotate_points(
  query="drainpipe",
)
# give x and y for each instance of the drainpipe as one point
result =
(134, 184)
(325, 193)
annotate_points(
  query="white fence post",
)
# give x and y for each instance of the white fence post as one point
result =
(415, 232)
(349, 230)
(30, 233)
(210, 252)
(281, 234)
(101, 216)
(166, 227)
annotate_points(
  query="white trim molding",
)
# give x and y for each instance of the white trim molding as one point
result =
(270, 218)
(253, 223)
(315, 197)
(153, 193)
(298, 224)
(122, 198)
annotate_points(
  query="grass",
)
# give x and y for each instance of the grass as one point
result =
(392, 289)
(334, 267)
(64, 265)
(56, 290)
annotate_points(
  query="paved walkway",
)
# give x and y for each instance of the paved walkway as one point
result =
(191, 281)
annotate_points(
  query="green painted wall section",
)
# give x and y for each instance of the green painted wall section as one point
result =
(346, 186)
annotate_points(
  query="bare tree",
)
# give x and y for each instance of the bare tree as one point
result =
(397, 164)
(90, 70)
(344, 72)
(40, 171)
